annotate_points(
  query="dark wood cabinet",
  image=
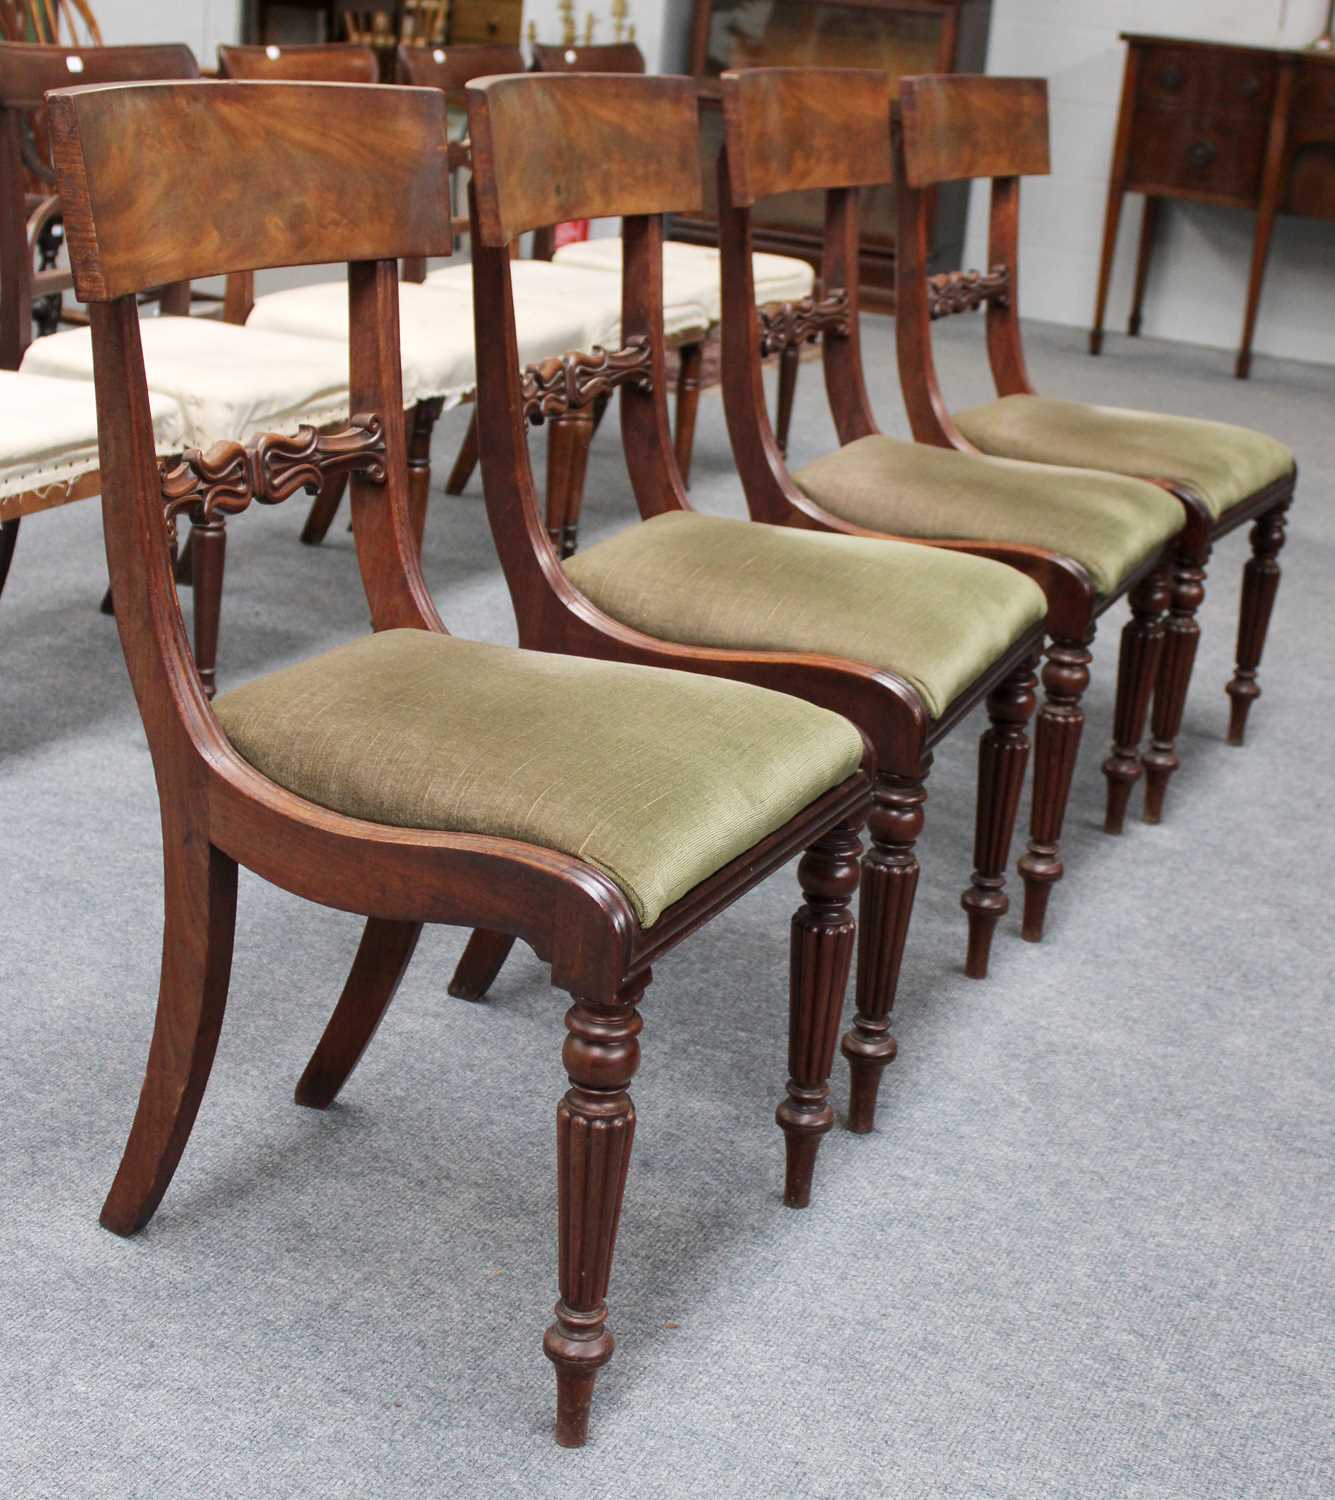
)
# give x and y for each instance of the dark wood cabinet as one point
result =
(901, 36)
(1249, 127)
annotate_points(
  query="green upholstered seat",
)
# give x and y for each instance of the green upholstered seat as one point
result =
(938, 619)
(1108, 523)
(657, 778)
(1221, 463)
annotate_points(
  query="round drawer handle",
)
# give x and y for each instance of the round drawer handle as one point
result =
(1171, 77)
(1251, 86)
(1201, 154)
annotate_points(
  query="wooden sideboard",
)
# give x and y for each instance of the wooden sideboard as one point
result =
(901, 36)
(1250, 127)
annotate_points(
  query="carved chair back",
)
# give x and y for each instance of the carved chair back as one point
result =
(27, 72)
(321, 62)
(548, 148)
(130, 225)
(790, 130)
(605, 57)
(954, 129)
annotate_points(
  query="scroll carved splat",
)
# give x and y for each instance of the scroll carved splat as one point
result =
(225, 478)
(568, 382)
(802, 322)
(963, 291)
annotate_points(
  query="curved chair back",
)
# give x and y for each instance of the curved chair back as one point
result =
(789, 130)
(451, 68)
(243, 176)
(27, 72)
(954, 129)
(607, 57)
(323, 62)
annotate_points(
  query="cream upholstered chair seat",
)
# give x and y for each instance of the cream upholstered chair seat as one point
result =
(231, 384)
(1108, 523)
(598, 297)
(694, 272)
(656, 778)
(436, 328)
(1222, 463)
(48, 431)
(938, 619)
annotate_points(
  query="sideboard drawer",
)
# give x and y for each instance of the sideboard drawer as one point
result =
(1314, 92)
(1190, 79)
(1214, 156)
(486, 21)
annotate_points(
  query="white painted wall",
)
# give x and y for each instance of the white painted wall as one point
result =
(1199, 277)
(201, 24)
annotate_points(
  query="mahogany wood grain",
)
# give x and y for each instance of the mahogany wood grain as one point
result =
(218, 812)
(959, 127)
(602, 57)
(451, 68)
(316, 62)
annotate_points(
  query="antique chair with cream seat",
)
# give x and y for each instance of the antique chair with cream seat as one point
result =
(903, 639)
(1087, 538)
(959, 128)
(437, 315)
(412, 776)
(227, 383)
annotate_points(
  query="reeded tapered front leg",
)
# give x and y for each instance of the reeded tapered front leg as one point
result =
(1137, 669)
(1260, 584)
(889, 884)
(1003, 753)
(1061, 722)
(1182, 634)
(820, 957)
(595, 1124)
(689, 382)
(425, 414)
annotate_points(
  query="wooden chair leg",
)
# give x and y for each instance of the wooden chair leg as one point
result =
(9, 538)
(1003, 753)
(196, 967)
(1061, 723)
(889, 884)
(108, 604)
(482, 960)
(692, 358)
(595, 1124)
(1260, 583)
(1137, 670)
(383, 956)
(1181, 635)
(466, 461)
(820, 958)
(425, 414)
(568, 440)
(208, 548)
(323, 509)
(789, 363)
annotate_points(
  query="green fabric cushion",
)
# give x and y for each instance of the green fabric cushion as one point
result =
(938, 619)
(657, 778)
(1221, 463)
(1107, 522)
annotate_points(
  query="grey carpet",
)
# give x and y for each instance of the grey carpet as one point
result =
(1087, 1254)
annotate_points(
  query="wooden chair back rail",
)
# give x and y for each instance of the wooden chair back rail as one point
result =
(28, 72)
(386, 148)
(843, 142)
(580, 147)
(602, 57)
(321, 62)
(453, 68)
(959, 126)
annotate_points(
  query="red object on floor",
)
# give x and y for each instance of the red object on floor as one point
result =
(571, 232)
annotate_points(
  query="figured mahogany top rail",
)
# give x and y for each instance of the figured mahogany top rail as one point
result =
(29, 71)
(350, 173)
(553, 147)
(606, 57)
(957, 127)
(453, 68)
(844, 140)
(317, 62)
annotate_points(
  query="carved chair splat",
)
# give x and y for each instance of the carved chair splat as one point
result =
(220, 810)
(957, 128)
(547, 148)
(828, 130)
